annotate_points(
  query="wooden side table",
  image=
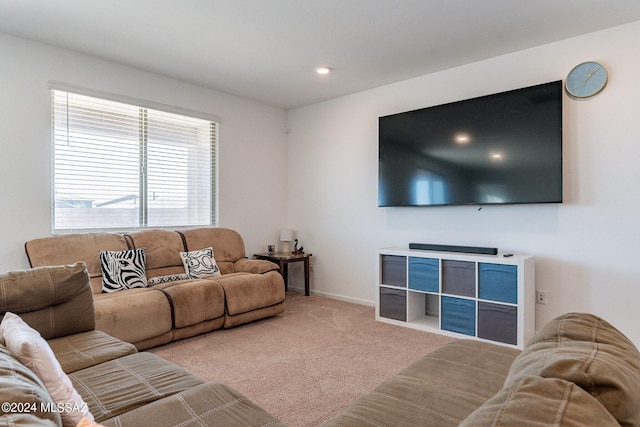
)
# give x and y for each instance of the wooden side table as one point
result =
(283, 260)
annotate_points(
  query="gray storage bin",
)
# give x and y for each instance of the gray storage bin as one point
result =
(394, 270)
(459, 278)
(498, 322)
(393, 304)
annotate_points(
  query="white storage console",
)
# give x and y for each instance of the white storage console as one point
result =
(487, 297)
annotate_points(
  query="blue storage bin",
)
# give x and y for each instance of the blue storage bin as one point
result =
(497, 322)
(424, 274)
(458, 315)
(497, 282)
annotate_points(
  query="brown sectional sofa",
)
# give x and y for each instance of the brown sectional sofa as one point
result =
(121, 386)
(247, 290)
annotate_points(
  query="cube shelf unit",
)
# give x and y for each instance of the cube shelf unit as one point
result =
(485, 297)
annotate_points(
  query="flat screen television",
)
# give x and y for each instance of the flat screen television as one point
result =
(504, 148)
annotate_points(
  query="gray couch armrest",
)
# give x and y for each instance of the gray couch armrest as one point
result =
(54, 300)
(256, 266)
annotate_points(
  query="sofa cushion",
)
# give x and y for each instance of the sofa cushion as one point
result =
(200, 264)
(227, 244)
(245, 292)
(134, 314)
(55, 301)
(123, 269)
(210, 404)
(20, 385)
(589, 352)
(121, 385)
(441, 389)
(34, 352)
(71, 248)
(537, 401)
(163, 247)
(194, 301)
(255, 266)
(79, 351)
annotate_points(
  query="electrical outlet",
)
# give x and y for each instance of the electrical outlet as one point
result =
(541, 297)
(312, 268)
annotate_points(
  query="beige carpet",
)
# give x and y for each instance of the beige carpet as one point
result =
(308, 364)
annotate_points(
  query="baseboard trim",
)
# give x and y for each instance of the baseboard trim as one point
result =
(338, 297)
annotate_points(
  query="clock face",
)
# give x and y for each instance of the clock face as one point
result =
(586, 80)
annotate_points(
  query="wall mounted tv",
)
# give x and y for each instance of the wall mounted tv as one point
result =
(504, 148)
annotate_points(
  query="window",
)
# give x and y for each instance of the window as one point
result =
(117, 165)
(429, 188)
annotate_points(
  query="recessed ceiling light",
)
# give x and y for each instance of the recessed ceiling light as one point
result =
(462, 138)
(325, 69)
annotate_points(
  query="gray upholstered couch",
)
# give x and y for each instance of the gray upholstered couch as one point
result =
(246, 290)
(120, 386)
(577, 371)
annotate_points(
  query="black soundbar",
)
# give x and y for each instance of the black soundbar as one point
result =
(454, 248)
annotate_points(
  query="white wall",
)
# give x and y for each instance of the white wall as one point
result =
(587, 249)
(252, 167)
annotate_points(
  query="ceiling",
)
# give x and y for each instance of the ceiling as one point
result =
(267, 50)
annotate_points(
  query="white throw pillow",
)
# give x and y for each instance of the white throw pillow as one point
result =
(200, 264)
(86, 422)
(123, 269)
(34, 352)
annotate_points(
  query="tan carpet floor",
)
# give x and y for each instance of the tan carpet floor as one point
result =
(307, 364)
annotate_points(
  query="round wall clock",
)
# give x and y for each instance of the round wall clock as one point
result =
(586, 79)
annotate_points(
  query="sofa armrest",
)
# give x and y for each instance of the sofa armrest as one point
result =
(256, 266)
(54, 300)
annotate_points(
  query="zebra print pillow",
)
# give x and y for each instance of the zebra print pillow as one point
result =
(123, 269)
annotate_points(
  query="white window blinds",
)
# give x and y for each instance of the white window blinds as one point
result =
(119, 166)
